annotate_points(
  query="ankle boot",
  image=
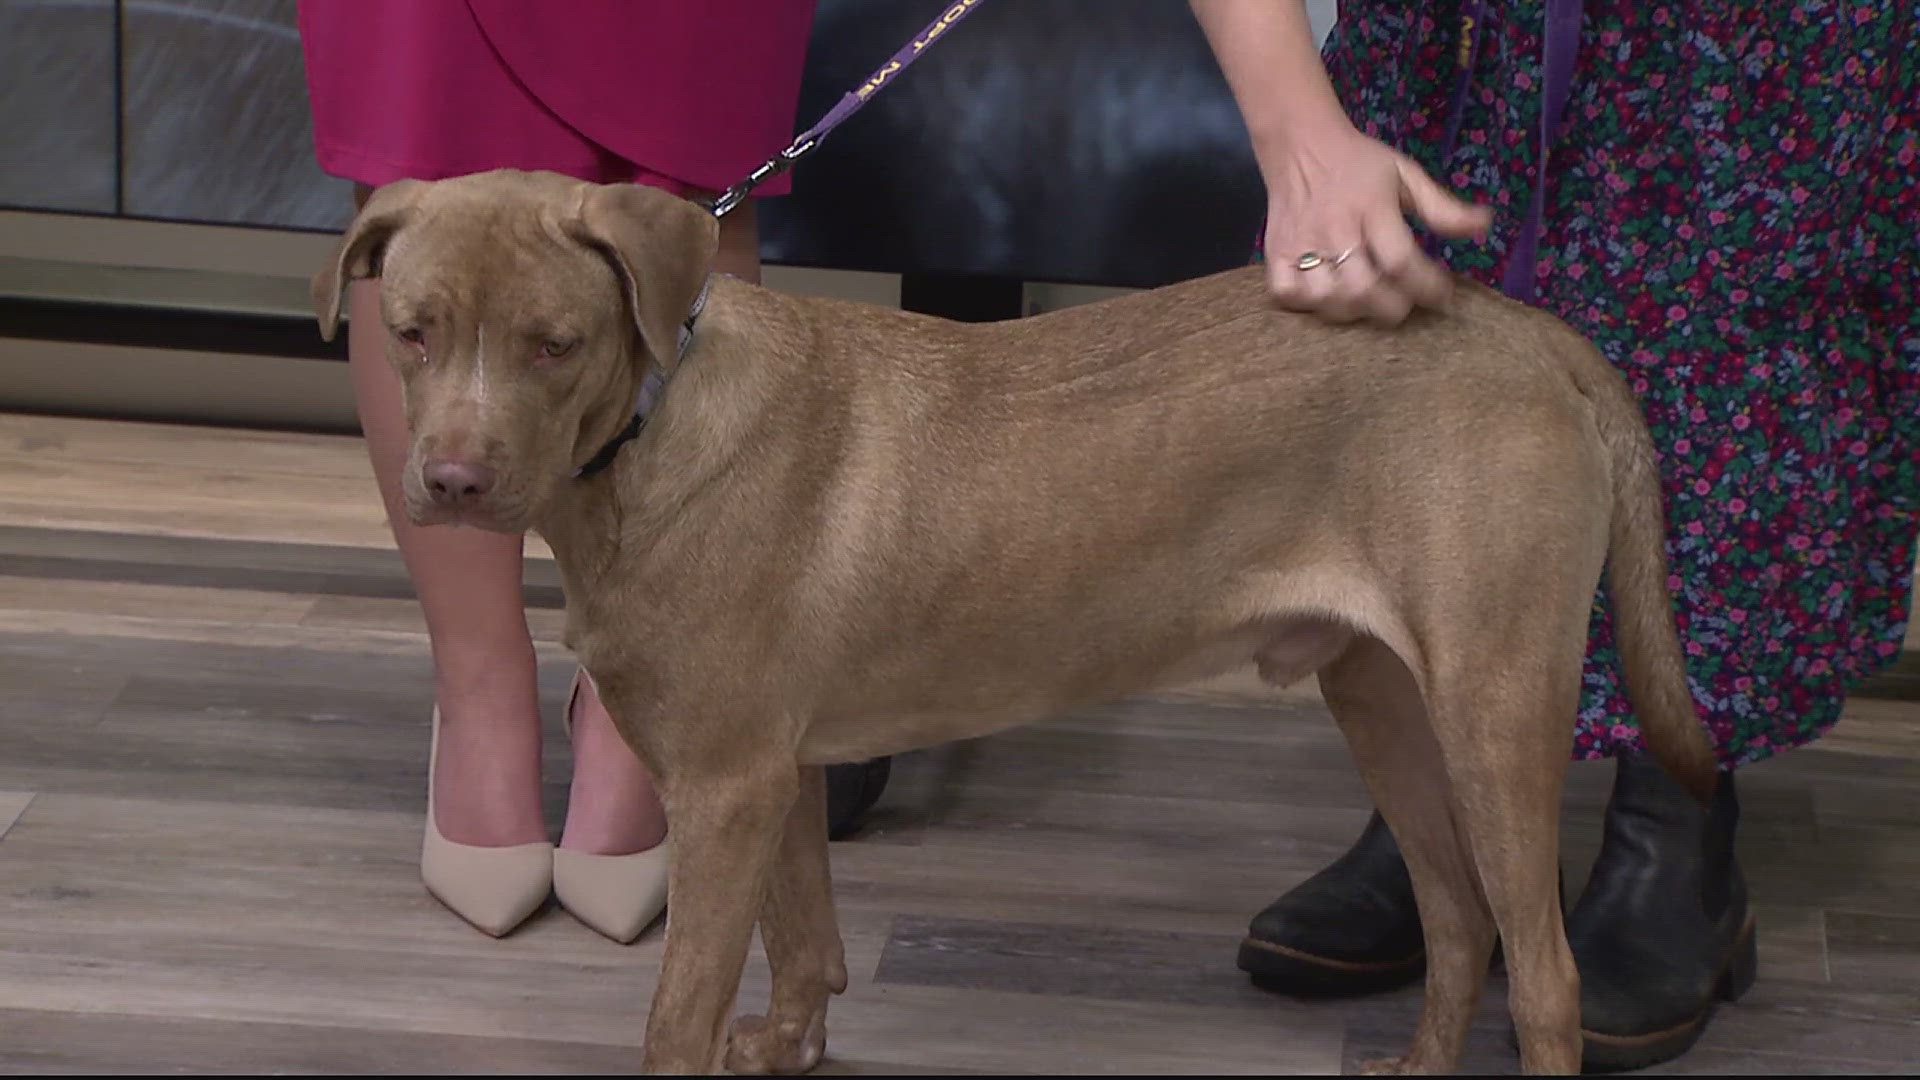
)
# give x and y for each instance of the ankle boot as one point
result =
(1662, 933)
(1352, 928)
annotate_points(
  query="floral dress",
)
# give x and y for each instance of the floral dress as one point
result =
(1731, 214)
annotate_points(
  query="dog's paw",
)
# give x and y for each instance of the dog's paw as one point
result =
(758, 1045)
(1393, 1066)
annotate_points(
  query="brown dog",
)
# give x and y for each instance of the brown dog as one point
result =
(848, 531)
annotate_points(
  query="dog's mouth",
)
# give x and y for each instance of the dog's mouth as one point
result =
(425, 507)
(432, 513)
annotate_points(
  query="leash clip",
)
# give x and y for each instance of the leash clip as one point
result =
(732, 198)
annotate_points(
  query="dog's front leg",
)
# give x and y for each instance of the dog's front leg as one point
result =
(802, 939)
(726, 823)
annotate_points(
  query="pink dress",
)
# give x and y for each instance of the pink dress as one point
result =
(688, 95)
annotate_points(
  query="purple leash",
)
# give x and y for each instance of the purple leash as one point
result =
(1562, 46)
(1471, 20)
(848, 105)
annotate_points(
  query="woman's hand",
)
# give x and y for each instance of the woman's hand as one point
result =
(1343, 197)
(1331, 191)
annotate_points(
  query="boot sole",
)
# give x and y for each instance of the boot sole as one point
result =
(1603, 1053)
(1301, 974)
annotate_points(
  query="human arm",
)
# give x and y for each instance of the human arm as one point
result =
(1331, 189)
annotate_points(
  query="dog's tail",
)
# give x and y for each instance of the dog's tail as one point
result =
(1643, 622)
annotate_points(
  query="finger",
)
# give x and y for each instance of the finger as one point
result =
(1315, 289)
(1436, 207)
(1387, 304)
(1282, 281)
(1375, 296)
(1293, 288)
(1424, 282)
(1353, 280)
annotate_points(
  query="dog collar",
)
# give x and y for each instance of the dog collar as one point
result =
(650, 388)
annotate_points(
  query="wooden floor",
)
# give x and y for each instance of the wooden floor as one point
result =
(213, 731)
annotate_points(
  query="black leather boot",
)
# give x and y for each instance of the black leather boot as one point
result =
(1352, 928)
(852, 789)
(1662, 933)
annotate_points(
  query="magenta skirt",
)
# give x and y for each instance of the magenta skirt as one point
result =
(681, 95)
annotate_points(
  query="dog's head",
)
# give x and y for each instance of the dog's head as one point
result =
(521, 311)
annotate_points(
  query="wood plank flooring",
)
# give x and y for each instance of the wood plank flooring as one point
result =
(213, 734)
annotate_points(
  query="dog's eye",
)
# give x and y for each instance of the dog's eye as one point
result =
(556, 349)
(411, 335)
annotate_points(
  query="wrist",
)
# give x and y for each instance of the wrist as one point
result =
(1287, 131)
(1281, 143)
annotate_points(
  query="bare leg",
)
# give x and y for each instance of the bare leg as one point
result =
(487, 787)
(739, 252)
(469, 583)
(612, 809)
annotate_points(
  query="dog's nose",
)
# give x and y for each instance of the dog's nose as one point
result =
(458, 481)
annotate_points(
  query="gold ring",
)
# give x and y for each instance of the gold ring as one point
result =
(1308, 261)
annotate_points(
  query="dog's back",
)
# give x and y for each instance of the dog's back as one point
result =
(1000, 488)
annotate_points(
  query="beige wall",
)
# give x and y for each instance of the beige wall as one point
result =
(217, 268)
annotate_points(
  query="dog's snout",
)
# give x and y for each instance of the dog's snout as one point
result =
(458, 481)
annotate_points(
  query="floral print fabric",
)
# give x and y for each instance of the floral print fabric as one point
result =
(1732, 216)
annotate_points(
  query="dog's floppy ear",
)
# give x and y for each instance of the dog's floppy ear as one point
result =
(359, 253)
(661, 246)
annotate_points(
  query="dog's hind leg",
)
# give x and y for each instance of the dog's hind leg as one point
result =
(1380, 709)
(802, 939)
(1506, 723)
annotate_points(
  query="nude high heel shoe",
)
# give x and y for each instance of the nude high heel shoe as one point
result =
(617, 895)
(494, 888)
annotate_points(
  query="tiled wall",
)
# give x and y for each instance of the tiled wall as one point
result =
(57, 105)
(213, 112)
(224, 81)
(213, 122)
